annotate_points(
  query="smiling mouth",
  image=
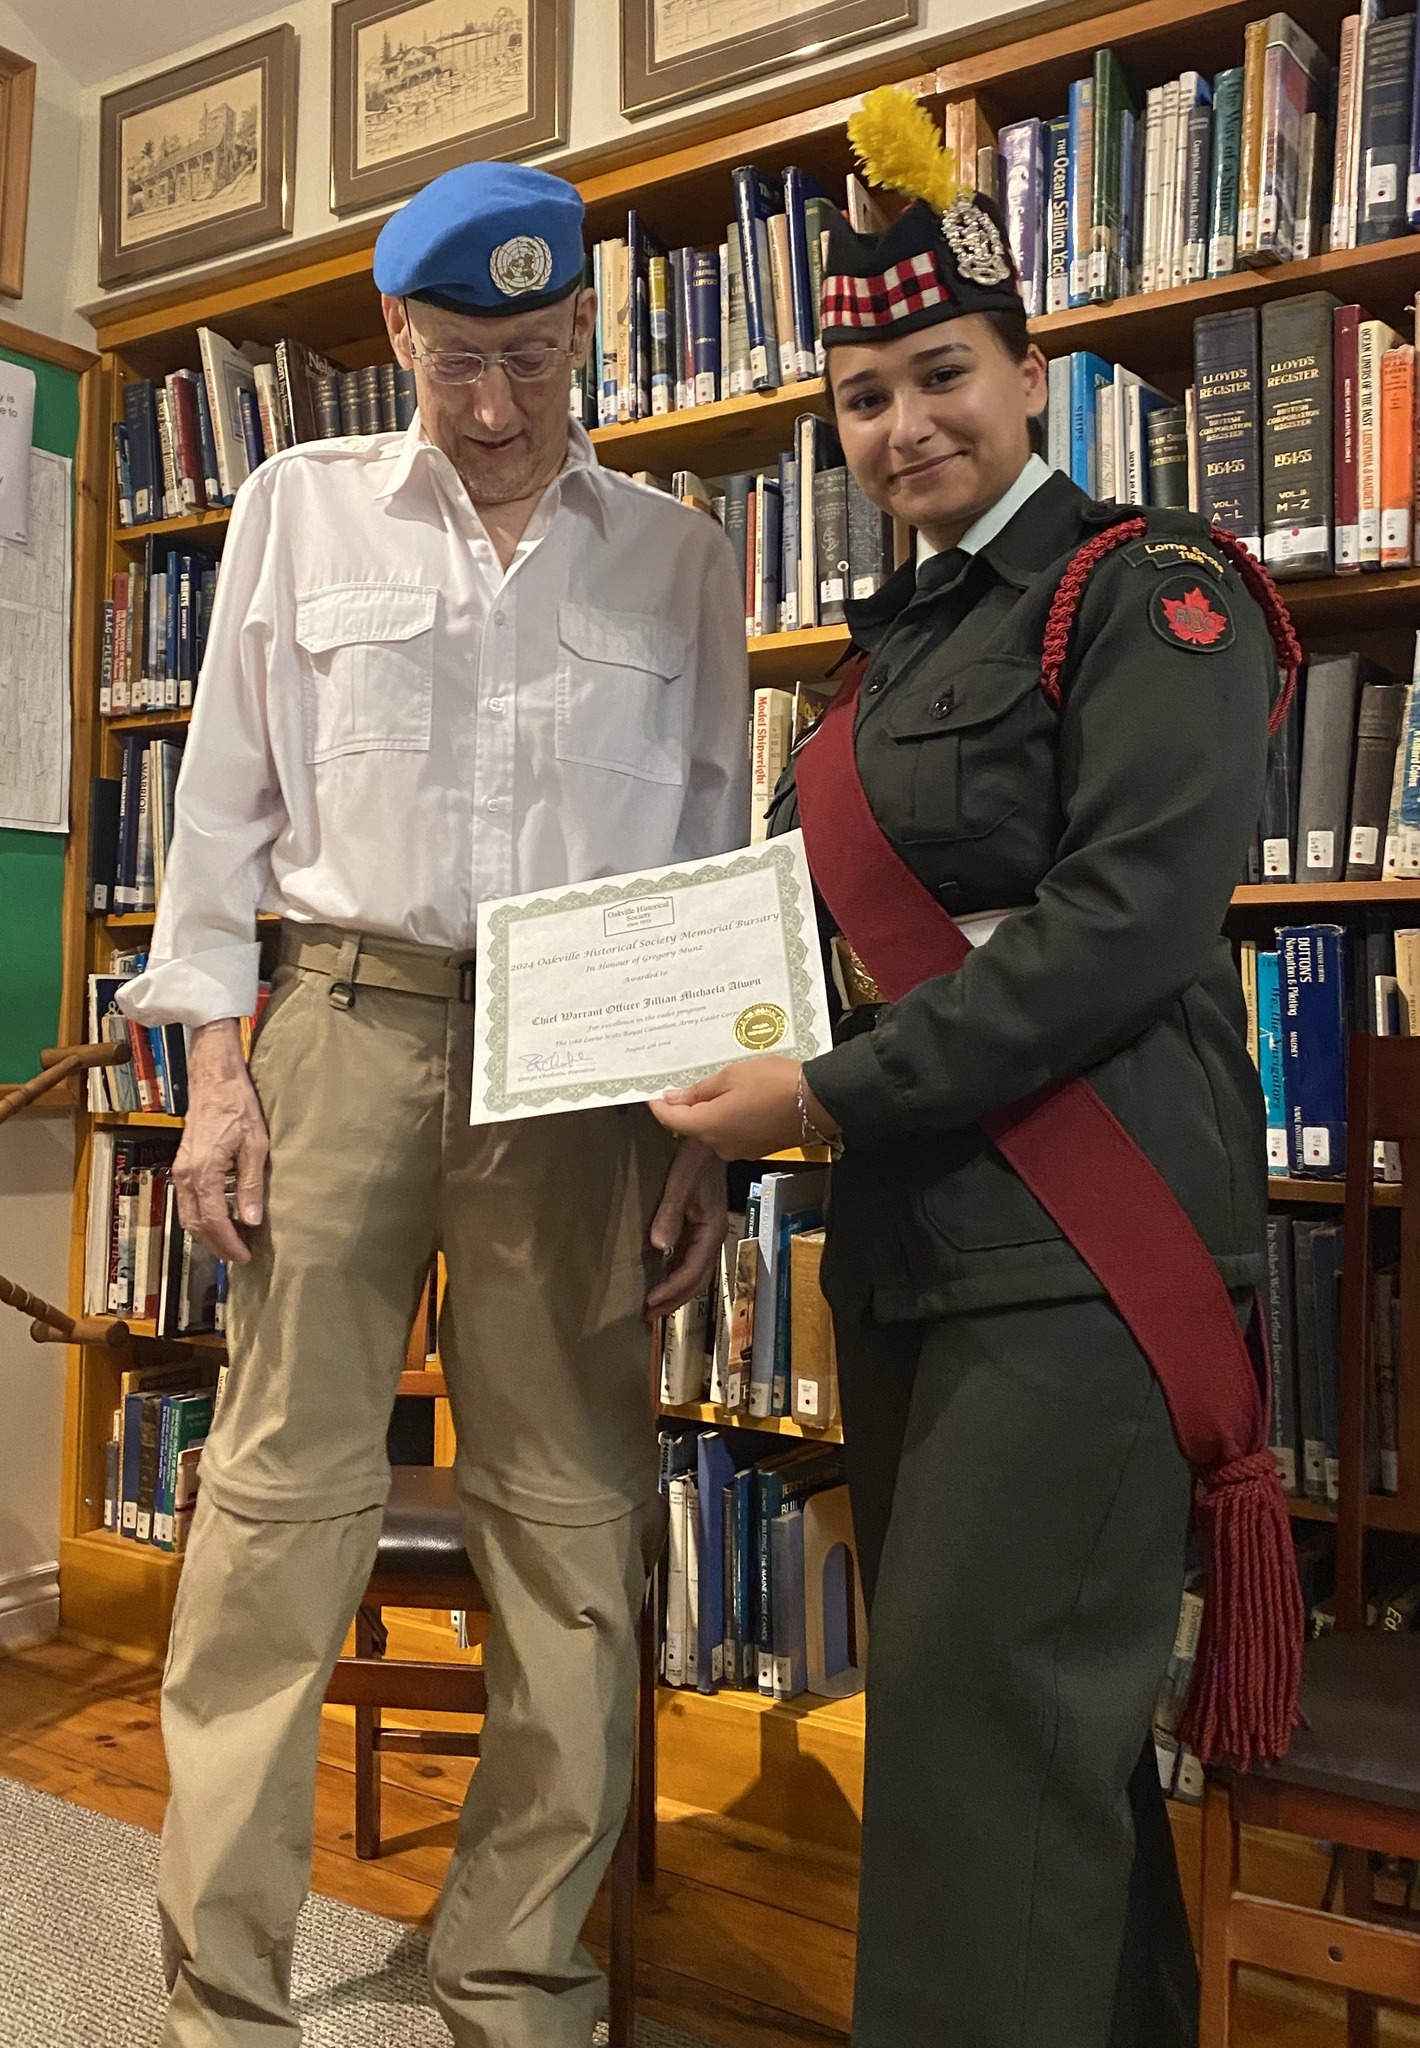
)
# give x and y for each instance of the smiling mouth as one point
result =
(920, 469)
(494, 447)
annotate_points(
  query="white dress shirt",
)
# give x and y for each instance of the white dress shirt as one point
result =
(1001, 514)
(390, 727)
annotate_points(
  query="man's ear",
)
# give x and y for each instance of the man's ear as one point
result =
(584, 326)
(397, 327)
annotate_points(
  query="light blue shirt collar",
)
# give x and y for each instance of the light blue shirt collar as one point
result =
(985, 529)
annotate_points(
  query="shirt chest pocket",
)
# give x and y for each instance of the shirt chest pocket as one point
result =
(969, 757)
(367, 668)
(621, 695)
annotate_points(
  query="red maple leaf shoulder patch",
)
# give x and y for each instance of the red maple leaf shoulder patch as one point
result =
(1184, 614)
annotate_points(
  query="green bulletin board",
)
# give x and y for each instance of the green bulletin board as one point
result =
(32, 863)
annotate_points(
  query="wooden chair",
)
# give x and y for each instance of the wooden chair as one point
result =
(421, 1562)
(1353, 1774)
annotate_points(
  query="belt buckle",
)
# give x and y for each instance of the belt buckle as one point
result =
(466, 972)
(342, 995)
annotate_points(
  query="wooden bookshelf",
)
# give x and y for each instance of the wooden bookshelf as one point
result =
(216, 520)
(1282, 1188)
(768, 1425)
(149, 721)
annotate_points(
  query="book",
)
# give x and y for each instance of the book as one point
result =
(228, 374)
(1023, 145)
(1197, 184)
(1343, 184)
(778, 230)
(1167, 456)
(1312, 964)
(1310, 1427)
(1326, 1265)
(704, 281)
(783, 1482)
(813, 1360)
(1057, 255)
(1397, 455)
(1226, 372)
(1088, 373)
(1373, 339)
(787, 1626)
(1111, 109)
(1345, 421)
(715, 1470)
(1387, 90)
(1297, 392)
(782, 1196)
(869, 543)
(1271, 1065)
(1294, 74)
(1080, 180)
(830, 520)
(1377, 739)
(1250, 150)
(800, 187)
(772, 740)
(757, 200)
(1328, 736)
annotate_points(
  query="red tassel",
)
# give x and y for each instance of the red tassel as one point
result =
(1243, 1702)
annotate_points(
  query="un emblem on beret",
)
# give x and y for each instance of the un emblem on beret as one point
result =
(521, 265)
(975, 242)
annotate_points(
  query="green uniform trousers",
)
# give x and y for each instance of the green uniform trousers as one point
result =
(543, 1225)
(1021, 1509)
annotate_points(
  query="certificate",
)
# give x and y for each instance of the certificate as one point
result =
(611, 991)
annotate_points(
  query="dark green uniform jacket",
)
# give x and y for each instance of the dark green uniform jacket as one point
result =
(1122, 821)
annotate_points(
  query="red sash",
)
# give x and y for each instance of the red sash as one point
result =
(1113, 1206)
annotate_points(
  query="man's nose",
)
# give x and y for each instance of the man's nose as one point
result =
(495, 407)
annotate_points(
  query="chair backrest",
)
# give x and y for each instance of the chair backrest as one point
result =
(1383, 1102)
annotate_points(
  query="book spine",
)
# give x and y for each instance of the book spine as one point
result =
(1397, 462)
(1343, 228)
(1372, 339)
(123, 474)
(1250, 153)
(800, 282)
(1110, 101)
(1081, 186)
(1387, 90)
(830, 488)
(137, 399)
(1022, 163)
(1296, 435)
(1057, 271)
(705, 313)
(1346, 375)
(1377, 740)
(1226, 377)
(1281, 1350)
(657, 292)
(172, 493)
(1312, 965)
(1198, 141)
(754, 266)
(1227, 156)
(1270, 1061)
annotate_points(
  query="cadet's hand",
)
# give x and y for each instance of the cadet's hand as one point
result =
(691, 1222)
(225, 1132)
(745, 1111)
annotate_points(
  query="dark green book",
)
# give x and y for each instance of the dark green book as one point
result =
(1226, 378)
(1166, 435)
(1113, 103)
(1227, 159)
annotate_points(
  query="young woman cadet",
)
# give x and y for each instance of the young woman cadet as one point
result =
(1025, 818)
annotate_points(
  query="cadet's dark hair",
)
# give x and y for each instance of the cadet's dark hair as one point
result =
(1014, 337)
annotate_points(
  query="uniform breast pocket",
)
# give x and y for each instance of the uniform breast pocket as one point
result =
(621, 693)
(367, 668)
(969, 758)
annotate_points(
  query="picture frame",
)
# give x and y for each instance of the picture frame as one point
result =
(200, 160)
(419, 86)
(673, 50)
(17, 123)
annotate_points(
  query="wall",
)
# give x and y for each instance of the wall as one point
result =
(36, 1174)
(55, 209)
(37, 1151)
(594, 115)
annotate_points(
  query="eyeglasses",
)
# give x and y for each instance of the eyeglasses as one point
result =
(526, 365)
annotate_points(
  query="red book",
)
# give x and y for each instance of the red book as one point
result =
(182, 394)
(145, 1072)
(1345, 373)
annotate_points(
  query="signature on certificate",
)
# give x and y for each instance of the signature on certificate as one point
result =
(554, 1063)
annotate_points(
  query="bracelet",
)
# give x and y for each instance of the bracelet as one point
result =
(809, 1132)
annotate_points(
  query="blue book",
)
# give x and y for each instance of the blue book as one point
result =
(1081, 187)
(251, 429)
(124, 467)
(1057, 202)
(757, 200)
(1271, 1064)
(1023, 181)
(132, 1453)
(1087, 373)
(786, 1535)
(741, 1653)
(125, 891)
(1312, 965)
(789, 549)
(703, 267)
(140, 416)
(799, 188)
(172, 575)
(769, 551)
(714, 1471)
(207, 444)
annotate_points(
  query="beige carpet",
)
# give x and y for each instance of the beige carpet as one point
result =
(79, 1946)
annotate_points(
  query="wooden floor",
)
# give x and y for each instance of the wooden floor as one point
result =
(735, 1907)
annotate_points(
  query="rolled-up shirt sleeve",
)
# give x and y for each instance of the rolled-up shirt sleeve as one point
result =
(204, 962)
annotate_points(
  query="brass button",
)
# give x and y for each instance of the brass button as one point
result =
(945, 704)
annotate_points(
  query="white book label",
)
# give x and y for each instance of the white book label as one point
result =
(1222, 255)
(1286, 1461)
(1293, 543)
(1316, 1145)
(864, 586)
(1277, 859)
(734, 1381)
(1348, 547)
(1079, 277)
(759, 365)
(1365, 844)
(705, 393)
(830, 590)
(1099, 269)
(1370, 530)
(1412, 194)
(759, 1402)
(806, 1397)
(1382, 184)
(1267, 215)
(1395, 533)
(1321, 849)
(1057, 295)
(1276, 1151)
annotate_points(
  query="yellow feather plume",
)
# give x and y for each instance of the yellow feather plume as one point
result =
(899, 146)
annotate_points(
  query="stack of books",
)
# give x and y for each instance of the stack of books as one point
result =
(155, 630)
(152, 1458)
(139, 1262)
(131, 826)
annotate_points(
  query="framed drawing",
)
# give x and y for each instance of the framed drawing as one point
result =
(17, 121)
(674, 49)
(418, 86)
(199, 161)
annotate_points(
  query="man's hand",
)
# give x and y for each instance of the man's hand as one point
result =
(225, 1132)
(691, 1222)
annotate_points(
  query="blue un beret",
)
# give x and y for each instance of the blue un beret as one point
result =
(484, 238)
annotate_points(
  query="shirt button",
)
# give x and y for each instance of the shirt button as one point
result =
(499, 619)
(498, 704)
(496, 803)
(876, 685)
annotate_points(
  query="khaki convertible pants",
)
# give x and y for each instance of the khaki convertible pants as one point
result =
(542, 1224)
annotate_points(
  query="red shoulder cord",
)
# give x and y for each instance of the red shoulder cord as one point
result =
(1066, 602)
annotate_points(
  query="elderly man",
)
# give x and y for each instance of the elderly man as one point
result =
(444, 666)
